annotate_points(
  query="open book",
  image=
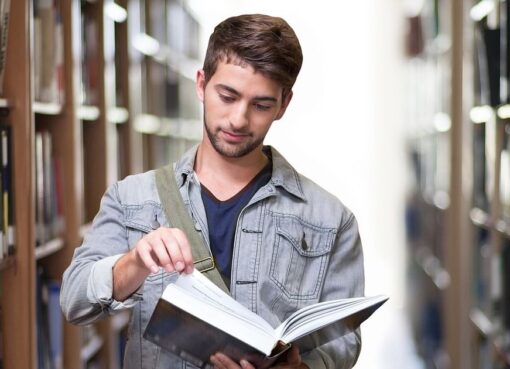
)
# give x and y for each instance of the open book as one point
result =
(195, 319)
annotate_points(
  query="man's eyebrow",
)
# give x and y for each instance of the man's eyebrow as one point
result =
(233, 91)
(237, 93)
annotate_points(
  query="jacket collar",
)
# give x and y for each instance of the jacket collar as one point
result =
(284, 175)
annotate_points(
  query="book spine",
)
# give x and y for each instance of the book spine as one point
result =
(4, 34)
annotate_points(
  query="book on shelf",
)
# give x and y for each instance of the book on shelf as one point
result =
(49, 323)
(195, 319)
(504, 185)
(48, 52)
(488, 50)
(48, 177)
(7, 196)
(4, 36)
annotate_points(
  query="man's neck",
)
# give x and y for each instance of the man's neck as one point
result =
(224, 176)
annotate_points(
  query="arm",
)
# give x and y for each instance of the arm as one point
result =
(344, 278)
(86, 294)
(104, 274)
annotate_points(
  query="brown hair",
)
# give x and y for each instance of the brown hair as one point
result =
(266, 43)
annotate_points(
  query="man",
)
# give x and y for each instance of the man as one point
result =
(281, 241)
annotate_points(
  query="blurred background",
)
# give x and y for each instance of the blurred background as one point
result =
(401, 110)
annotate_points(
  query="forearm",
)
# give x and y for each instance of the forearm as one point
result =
(128, 276)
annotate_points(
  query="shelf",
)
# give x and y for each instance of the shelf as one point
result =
(480, 218)
(91, 348)
(488, 331)
(432, 267)
(481, 322)
(47, 108)
(48, 248)
(88, 113)
(118, 115)
(5, 104)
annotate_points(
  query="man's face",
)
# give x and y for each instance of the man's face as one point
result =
(239, 107)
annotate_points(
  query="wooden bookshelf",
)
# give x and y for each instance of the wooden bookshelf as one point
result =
(439, 217)
(474, 308)
(91, 120)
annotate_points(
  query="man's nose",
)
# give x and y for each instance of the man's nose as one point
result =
(239, 116)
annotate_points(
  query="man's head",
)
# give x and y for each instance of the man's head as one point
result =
(251, 64)
(268, 44)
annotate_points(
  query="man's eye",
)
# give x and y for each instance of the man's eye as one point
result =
(262, 107)
(227, 99)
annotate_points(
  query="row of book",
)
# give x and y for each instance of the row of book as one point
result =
(48, 52)
(492, 59)
(48, 177)
(49, 323)
(4, 31)
(7, 234)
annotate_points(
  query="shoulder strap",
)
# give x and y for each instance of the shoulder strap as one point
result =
(178, 217)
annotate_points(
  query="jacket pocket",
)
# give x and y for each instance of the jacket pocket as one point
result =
(300, 256)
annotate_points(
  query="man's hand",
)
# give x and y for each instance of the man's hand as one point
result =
(292, 361)
(166, 248)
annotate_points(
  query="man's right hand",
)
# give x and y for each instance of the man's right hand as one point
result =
(166, 248)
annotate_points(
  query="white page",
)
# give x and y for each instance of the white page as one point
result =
(221, 318)
(317, 319)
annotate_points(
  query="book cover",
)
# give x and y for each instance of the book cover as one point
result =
(194, 319)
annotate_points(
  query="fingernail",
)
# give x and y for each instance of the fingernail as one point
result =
(154, 269)
(244, 363)
(169, 268)
(179, 266)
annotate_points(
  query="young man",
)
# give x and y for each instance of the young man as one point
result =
(280, 240)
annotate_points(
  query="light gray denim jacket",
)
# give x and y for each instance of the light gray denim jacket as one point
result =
(295, 245)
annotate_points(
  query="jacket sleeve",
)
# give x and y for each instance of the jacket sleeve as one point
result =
(344, 278)
(87, 285)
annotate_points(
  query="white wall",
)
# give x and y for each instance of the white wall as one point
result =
(344, 127)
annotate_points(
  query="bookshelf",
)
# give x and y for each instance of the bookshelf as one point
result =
(469, 313)
(75, 90)
(437, 212)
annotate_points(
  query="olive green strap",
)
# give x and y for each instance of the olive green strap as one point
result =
(178, 217)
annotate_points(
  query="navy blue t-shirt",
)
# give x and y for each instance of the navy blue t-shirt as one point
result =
(222, 218)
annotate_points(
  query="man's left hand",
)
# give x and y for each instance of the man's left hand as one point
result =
(292, 361)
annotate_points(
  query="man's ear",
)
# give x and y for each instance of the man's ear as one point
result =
(200, 84)
(285, 103)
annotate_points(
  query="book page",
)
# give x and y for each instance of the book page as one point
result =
(202, 288)
(351, 311)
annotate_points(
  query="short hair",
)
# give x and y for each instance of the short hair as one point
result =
(266, 43)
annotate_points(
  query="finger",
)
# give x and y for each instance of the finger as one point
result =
(185, 247)
(173, 249)
(143, 249)
(216, 362)
(225, 362)
(159, 249)
(293, 357)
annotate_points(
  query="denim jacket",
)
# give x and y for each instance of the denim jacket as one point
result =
(295, 244)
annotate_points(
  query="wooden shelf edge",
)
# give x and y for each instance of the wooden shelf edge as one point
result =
(432, 267)
(47, 108)
(88, 113)
(91, 348)
(480, 217)
(48, 248)
(5, 103)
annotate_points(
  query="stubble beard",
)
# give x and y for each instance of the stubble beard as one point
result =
(231, 150)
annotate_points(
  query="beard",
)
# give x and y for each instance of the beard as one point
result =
(231, 150)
